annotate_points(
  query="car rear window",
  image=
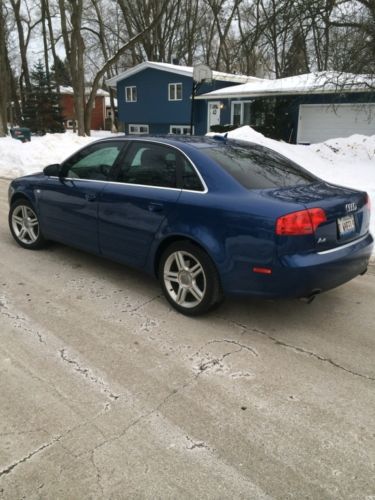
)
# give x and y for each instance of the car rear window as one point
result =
(256, 167)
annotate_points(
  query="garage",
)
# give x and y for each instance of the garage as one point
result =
(319, 122)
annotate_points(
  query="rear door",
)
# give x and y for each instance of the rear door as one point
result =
(133, 208)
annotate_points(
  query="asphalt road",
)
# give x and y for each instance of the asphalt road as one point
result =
(105, 392)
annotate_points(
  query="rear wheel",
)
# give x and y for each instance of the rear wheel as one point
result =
(24, 225)
(189, 278)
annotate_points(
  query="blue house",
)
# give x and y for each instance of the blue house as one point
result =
(301, 109)
(155, 98)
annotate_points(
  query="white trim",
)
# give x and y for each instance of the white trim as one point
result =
(238, 95)
(76, 179)
(178, 70)
(131, 88)
(208, 113)
(232, 104)
(70, 124)
(138, 125)
(174, 85)
(180, 127)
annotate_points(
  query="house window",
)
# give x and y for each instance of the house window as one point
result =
(175, 92)
(138, 129)
(180, 129)
(71, 124)
(131, 94)
(241, 112)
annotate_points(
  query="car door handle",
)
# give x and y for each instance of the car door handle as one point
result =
(90, 196)
(155, 207)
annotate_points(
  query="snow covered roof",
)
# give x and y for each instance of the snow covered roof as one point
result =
(69, 91)
(108, 102)
(179, 70)
(310, 83)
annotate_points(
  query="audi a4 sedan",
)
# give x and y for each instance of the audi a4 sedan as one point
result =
(207, 217)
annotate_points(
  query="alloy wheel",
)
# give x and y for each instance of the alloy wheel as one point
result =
(25, 224)
(184, 279)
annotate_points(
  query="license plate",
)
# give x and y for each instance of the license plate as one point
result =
(346, 225)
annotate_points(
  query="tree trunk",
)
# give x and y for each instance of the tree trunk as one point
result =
(16, 5)
(75, 48)
(4, 75)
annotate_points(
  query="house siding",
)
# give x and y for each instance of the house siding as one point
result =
(97, 117)
(153, 108)
(288, 107)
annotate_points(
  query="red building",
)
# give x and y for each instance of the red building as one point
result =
(98, 118)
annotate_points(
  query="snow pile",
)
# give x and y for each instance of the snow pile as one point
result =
(349, 161)
(17, 158)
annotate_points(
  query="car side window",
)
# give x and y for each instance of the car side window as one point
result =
(150, 164)
(190, 179)
(94, 162)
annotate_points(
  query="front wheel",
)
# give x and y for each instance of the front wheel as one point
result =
(189, 279)
(24, 225)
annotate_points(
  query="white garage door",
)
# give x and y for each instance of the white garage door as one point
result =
(319, 122)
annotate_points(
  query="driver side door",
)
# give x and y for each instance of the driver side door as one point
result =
(68, 204)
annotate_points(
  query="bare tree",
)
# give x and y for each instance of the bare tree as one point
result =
(74, 48)
(247, 55)
(4, 84)
(25, 23)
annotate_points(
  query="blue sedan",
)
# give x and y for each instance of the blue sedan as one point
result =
(208, 218)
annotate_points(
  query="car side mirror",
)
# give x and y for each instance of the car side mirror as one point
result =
(53, 170)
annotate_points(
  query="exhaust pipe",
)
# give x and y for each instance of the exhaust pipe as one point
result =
(309, 298)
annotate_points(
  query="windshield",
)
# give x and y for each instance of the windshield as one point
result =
(256, 167)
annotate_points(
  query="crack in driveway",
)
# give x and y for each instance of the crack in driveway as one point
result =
(177, 390)
(298, 349)
(19, 320)
(88, 375)
(204, 366)
(28, 457)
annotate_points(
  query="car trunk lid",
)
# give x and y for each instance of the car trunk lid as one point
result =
(346, 210)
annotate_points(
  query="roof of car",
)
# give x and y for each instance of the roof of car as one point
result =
(198, 142)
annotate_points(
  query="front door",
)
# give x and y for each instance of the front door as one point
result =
(68, 204)
(213, 114)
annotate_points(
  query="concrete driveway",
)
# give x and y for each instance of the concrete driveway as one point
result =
(105, 392)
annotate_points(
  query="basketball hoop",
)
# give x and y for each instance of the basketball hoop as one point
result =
(202, 73)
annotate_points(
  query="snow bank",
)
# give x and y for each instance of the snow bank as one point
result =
(17, 158)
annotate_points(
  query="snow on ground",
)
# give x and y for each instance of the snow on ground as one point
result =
(17, 158)
(349, 161)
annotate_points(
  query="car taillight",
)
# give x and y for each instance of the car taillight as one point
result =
(368, 202)
(301, 222)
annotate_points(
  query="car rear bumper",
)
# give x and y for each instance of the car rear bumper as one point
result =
(301, 275)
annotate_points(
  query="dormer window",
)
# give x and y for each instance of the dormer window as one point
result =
(175, 92)
(131, 94)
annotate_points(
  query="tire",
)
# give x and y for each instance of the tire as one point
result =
(189, 279)
(24, 225)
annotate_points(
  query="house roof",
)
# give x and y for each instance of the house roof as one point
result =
(69, 91)
(325, 82)
(108, 102)
(179, 70)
